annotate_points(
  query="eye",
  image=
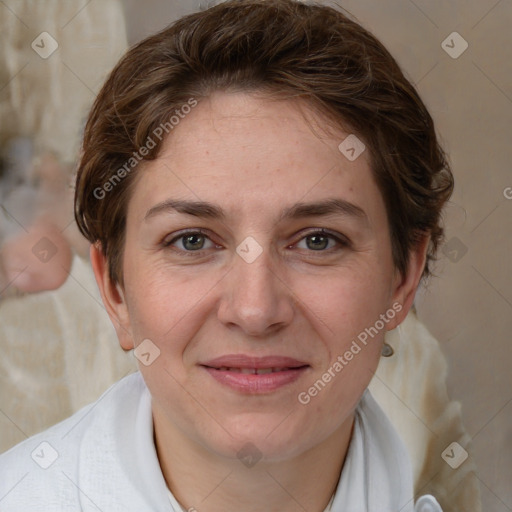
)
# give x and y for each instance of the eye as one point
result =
(321, 240)
(190, 241)
(197, 241)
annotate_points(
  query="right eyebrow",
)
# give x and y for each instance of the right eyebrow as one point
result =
(195, 208)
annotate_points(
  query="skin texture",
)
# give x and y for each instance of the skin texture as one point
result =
(302, 297)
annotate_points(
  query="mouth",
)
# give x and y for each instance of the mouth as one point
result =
(255, 375)
(254, 371)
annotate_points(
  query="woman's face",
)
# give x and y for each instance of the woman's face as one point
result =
(246, 282)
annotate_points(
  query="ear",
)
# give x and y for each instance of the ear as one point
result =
(405, 286)
(113, 297)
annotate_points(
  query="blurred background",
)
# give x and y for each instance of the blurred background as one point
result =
(458, 55)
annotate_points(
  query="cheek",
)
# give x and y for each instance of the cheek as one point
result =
(164, 303)
(344, 302)
(347, 313)
(346, 310)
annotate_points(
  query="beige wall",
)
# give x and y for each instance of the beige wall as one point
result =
(469, 307)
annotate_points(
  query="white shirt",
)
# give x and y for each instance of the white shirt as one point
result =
(104, 458)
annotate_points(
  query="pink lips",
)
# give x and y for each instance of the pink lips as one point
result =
(255, 374)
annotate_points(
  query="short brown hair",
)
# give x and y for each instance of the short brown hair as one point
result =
(285, 49)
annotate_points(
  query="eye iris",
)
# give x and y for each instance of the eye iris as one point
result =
(194, 238)
(318, 241)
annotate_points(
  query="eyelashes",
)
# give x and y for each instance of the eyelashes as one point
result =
(190, 236)
(322, 235)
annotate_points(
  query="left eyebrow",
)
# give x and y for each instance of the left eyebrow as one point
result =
(334, 206)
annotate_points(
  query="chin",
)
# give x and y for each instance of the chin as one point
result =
(266, 438)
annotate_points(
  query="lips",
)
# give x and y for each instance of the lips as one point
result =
(242, 361)
(255, 375)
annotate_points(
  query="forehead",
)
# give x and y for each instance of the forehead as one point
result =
(253, 153)
(226, 125)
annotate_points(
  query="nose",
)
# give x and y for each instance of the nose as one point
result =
(256, 298)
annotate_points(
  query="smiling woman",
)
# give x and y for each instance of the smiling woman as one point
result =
(261, 240)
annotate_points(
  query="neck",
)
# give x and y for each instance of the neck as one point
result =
(208, 482)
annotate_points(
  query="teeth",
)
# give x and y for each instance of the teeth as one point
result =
(251, 371)
(261, 371)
